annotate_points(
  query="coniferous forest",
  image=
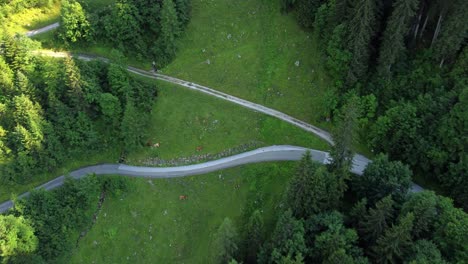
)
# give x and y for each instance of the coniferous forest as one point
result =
(397, 88)
(406, 62)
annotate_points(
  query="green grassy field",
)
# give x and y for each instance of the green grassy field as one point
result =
(32, 18)
(151, 225)
(249, 49)
(184, 120)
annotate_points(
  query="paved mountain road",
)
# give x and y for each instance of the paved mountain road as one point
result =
(272, 153)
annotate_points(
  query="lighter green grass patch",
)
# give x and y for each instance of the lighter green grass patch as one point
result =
(151, 225)
(249, 49)
(183, 120)
(32, 18)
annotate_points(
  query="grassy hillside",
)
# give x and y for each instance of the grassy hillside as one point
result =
(184, 120)
(152, 224)
(249, 49)
(32, 18)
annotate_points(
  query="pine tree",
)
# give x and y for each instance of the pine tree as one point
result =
(123, 26)
(454, 32)
(254, 236)
(130, 127)
(361, 30)
(395, 243)
(424, 251)
(119, 82)
(306, 10)
(357, 212)
(378, 219)
(170, 29)
(288, 238)
(74, 83)
(313, 189)
(393, 44)
(184, 9)
(300, 187)
(226, 242)
(337, 238)
(341, 154)
(424, 207)
(6, 78)
(338, 57)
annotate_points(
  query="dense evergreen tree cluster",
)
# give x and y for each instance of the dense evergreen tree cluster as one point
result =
(45, 227)
(381, 222)
(142, 28)
(411, 56)
(52, 110)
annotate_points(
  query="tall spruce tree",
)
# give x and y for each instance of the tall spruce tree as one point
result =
(226, 242)
(393, 44)
(393, 246)
(313, 190)
(361, 30)
(74, 83)
(288, 238)
(254, 236)
(184, 9)
(300, 187)
(343, 136)
(130, 128)
(170, 28)
(377, 219)
(454, 32)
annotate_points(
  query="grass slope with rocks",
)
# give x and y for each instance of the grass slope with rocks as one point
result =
(152, 224)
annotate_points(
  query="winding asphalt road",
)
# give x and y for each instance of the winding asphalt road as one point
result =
(272, 153)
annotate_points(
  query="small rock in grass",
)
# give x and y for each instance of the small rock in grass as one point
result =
(208, 61)
(229, 36)
(297, 63)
